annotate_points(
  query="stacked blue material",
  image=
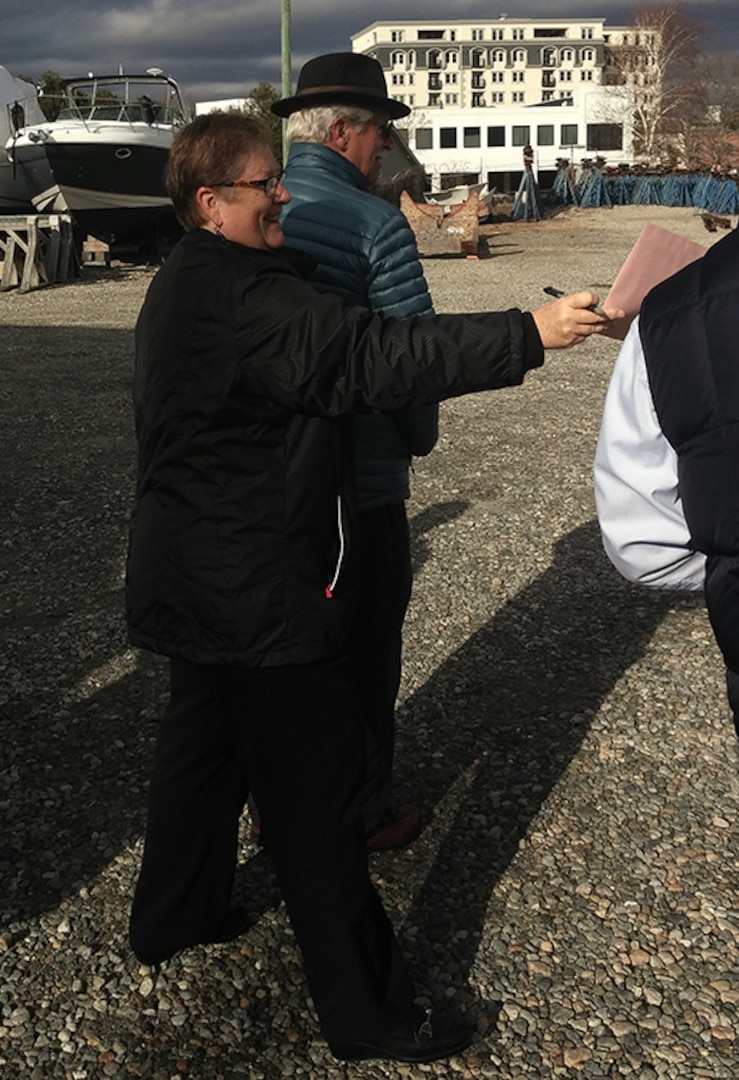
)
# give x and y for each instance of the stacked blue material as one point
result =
(528, 204)
(594, 187)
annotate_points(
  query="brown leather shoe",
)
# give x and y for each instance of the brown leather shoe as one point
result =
(398, 829)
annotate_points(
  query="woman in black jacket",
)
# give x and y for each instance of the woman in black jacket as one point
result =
(241, 571)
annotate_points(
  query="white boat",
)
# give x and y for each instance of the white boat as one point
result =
(103, 159)
(18, 106)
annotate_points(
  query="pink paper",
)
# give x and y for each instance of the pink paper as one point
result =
(656, 255)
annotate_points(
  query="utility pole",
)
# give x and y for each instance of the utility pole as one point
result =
(286, 66)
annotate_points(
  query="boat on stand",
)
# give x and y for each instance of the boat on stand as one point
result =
(18, 106)
(103, 158)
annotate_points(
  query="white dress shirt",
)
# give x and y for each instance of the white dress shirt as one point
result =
(636, 483)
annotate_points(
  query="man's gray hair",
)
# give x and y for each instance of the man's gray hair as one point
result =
(314, 125)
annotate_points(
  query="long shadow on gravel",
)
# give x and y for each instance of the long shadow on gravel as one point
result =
(504, 716)
(75, 743)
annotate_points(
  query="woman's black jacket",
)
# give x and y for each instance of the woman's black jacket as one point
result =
(242, 537)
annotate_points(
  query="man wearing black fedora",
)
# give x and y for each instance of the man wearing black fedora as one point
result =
(339, 128)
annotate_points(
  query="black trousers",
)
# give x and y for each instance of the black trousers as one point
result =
(293, 735)
(376, 644)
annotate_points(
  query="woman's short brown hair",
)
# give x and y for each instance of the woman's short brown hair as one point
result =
(207, 152)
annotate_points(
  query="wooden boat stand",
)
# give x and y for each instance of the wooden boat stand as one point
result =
(35, 250)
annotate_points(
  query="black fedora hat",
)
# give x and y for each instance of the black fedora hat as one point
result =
(341, 79)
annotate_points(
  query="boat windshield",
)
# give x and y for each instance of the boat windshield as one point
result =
(124, 101)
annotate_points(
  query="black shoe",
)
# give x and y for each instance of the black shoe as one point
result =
(418, 1040)
(237, 922)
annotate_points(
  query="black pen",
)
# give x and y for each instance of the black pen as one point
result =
(551, 291)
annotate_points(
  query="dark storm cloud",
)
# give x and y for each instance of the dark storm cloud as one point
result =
(223, 48)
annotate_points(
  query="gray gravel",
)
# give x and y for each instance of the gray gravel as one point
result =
(566, 734)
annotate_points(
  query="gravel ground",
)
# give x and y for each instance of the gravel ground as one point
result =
(567, 735)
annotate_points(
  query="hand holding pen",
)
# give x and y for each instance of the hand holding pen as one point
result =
(571, 318)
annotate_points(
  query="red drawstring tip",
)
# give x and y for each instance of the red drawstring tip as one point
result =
(329, 592)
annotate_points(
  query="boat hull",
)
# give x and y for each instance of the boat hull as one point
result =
(15, 198)
(113, 189)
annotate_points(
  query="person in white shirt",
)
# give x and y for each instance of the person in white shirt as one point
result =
(667, 459)
(640, 511)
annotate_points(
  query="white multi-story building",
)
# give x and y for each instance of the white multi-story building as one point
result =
(487, 64)
(482, 90)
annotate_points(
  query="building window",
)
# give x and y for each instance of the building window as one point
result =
(517, 34)
(452, 35)
(496, 76)
(586, 33)
(605, 137)
(547, 95)
(398, 80)
(477, 35)
(545, 135)
(520, 135)
(518, 97)
(586, 76)
(519, 76)
(397, 35)
(519, 56)
(549, 57)
(496, 136)
(565, 76)
(450, 77)
(448, 138)
(451, 99)
(452, 57)
(424, 139)
(496, 35)
(478, 101)
(567, 56)
(434, 99)
(498, 56)
(568, 135)
(478, 58)
(588, 56)
(411, 100)
(397, 58)
(435, 59)
(471, 137)
(497, 97)
(428, 35)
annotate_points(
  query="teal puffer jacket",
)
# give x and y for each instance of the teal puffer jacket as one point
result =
(366, 253)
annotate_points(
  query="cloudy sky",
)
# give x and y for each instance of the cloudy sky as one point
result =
(222, 48)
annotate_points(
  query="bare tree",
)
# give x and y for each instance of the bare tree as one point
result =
(655, 64)
(260, 102)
